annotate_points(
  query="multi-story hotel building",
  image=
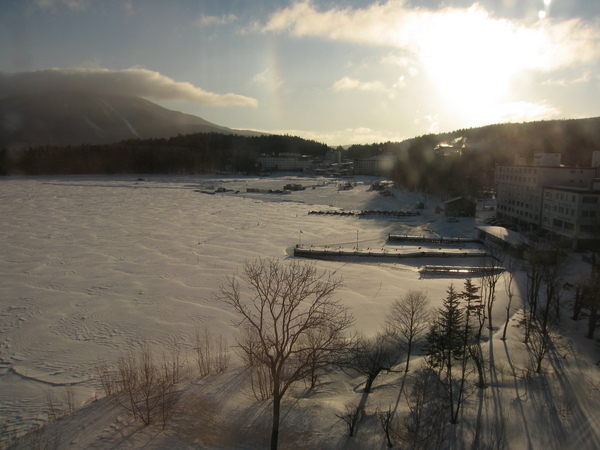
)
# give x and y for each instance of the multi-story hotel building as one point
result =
(547, 196)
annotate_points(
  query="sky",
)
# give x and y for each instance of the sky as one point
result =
(340, 72)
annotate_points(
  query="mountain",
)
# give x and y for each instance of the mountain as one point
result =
(68, 118)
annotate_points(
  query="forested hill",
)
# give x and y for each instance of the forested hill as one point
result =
(183, 154)
(472, 169)
(574, 138)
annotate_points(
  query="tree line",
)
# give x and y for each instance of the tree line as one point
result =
(184, 154)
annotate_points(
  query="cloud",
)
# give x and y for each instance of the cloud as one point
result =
(584, 77)
(474, 32)
(216, 20)
(351, 84)
(522, 111)
(134, 82)
(79, 5)
(267, 77)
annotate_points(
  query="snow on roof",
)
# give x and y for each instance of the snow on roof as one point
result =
(512, 237)
(458, 198)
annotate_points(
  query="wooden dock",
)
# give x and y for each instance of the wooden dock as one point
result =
(344, 254)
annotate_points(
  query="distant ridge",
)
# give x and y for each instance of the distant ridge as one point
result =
(74, 118)
(575, 139)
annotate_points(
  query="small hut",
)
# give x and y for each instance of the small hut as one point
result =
(459, 207)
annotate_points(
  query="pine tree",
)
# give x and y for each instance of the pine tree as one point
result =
(448, 343)
(446, 337)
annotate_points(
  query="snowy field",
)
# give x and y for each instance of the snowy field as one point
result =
(90, 266)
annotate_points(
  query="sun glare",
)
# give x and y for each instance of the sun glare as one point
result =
(472, 59)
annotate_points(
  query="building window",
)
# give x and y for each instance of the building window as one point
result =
(590, 228)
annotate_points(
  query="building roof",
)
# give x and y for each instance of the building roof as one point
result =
(459, 198)
(577, 189)
(511, 237)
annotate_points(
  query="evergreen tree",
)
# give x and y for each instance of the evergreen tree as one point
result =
(446, 337)
(448, 349)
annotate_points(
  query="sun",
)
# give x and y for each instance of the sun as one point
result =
(472, 60)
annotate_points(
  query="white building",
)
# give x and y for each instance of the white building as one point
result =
(563, 201)
(380, 165)
(573, 214)
(519, 188)
(286, 162)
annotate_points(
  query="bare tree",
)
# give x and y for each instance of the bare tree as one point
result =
(352, 416)
(511, 265)
(489, 280)
(409, 319)
(386, 420)
(578, 300)
(540, 341)
(212, 355)
(556, 269)
(540, 325)
(143, 387)
(318, 359)
(70, 398)
(261, 381)
(423, 427)
(493, 436)
(591, 301)
(139, 384)
(474, 307)
(537, 262)
(279, 305)
(371, 356)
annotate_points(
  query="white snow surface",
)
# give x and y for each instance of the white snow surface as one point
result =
(92, 265)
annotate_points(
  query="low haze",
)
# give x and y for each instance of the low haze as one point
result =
(339, 72)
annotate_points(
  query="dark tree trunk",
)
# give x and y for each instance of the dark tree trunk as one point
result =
(275, 428)
(592, 322)
(370, 380)
(577, 304)
(408, 352)
(369, 384)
